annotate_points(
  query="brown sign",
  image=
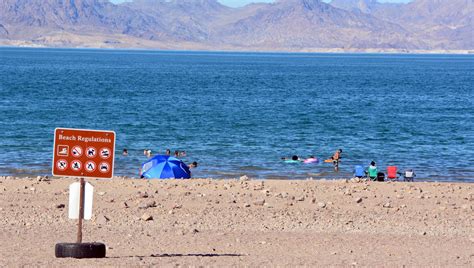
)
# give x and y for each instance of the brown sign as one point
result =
(83, 153)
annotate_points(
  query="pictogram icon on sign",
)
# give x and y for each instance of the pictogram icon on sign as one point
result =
(91, 152)
(76, 151)
(105, 153)
(61, 164)
(63, 150)
(104, 167)
(76, 165)
(90, 166)
(83, 153)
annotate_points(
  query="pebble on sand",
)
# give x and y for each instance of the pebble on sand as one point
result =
(146, 217)
(142, 194)
(244, 178)
(102, 219)
(147, 204)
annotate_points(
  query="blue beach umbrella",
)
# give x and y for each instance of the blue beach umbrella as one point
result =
(165, 167)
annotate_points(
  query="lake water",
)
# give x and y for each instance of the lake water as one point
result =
(238, 113)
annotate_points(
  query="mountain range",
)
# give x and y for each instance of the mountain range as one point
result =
(286, 25)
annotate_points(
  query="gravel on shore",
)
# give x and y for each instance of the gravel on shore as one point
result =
(242, 222)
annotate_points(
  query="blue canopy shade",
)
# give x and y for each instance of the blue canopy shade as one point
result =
(165, 167)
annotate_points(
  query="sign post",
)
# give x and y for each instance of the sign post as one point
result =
(81, 210)
(83, 154)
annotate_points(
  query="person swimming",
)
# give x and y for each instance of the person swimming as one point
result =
(193, 165)
(125, 152)
(311, 159)
(147, 153)
(293, 159)
(178, 153)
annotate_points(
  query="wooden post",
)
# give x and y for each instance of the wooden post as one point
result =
(81, 210)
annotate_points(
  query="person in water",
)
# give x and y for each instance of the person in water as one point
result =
(147, 153)
(293, 158)
(311, 159)
(125, 152)
(192, 166)
(168, 152)
(176, 153)
(336, 158)
(372, 171)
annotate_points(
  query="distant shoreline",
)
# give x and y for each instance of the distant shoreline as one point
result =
(256, 50)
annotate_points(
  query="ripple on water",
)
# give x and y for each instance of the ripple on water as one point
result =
(239, 113)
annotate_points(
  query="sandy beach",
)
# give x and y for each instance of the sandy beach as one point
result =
(242, 222)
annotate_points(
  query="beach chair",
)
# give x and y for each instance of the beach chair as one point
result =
(372, 174)
(359, 171)
(392, 173)
(380, 176)
(409, 175)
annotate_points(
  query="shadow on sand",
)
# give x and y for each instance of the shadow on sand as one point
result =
(165, 255)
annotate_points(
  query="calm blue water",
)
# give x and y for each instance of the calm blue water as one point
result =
(238, 113)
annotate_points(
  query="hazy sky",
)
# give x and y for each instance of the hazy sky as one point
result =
(236, 3)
